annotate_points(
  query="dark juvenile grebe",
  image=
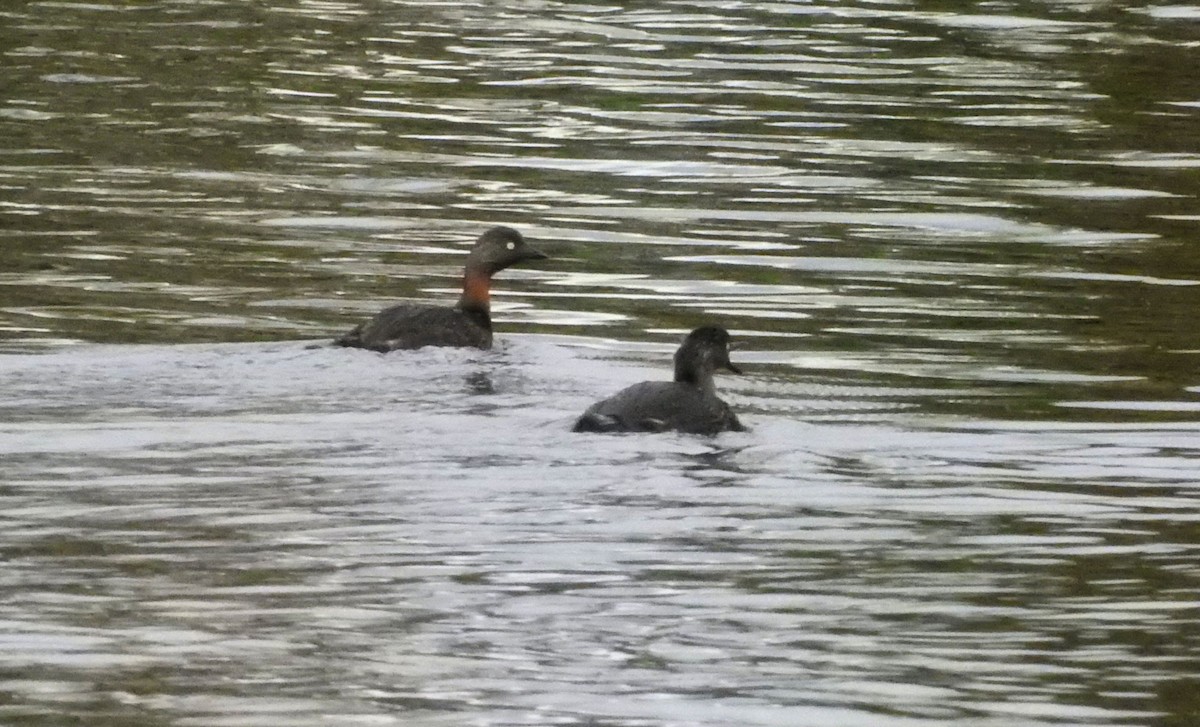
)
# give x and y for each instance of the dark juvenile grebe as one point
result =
(467, 324)
(687, 404)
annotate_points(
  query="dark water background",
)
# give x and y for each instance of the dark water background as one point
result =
(956, 241)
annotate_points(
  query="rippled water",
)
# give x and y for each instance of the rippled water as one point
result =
(957, 247)
(248, 534)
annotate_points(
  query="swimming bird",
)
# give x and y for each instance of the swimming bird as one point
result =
(687, 404)
(468, 323)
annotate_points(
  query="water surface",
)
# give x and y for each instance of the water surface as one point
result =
(956, 245)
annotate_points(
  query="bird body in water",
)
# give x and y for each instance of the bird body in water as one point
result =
(687, 404)
(468, 324)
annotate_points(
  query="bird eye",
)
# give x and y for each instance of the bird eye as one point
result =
(511, 245)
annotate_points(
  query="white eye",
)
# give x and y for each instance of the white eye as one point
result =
(511, 245)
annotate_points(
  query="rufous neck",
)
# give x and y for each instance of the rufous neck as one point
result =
(477, 292)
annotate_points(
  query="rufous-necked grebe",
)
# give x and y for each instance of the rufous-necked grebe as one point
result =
(468, 323)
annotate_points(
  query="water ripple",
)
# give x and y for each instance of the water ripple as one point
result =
(954, 247)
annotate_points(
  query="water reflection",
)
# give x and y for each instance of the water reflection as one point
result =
(416, 549)
(479, 383)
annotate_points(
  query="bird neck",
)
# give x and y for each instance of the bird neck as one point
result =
(476, 295)
(700, 377)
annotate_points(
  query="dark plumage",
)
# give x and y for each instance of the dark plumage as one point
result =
(687, 404)
(468, 323)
